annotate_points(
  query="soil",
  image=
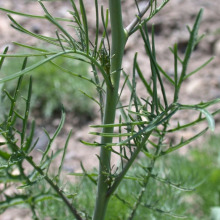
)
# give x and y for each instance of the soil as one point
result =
(170, 27)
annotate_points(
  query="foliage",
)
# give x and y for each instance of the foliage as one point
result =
(208, 160)
(190, 172)
(141, 129)
(56, 88)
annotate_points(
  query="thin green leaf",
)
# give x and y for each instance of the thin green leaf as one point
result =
(130, 86)
(76, 13)
(29, 54)
(85, 24)
(49, 163)
(60, 126)
(152, 125)
(154, 12)
(209, 103)
(3, 58)
(83, 174)
(3, 167)
(174, 185)
(28, 69)
(32, 16)
(209, 118)
(111, 134)
(13, 201)
(163, 212)
(88, 175)
(175, 73)
(34, 66)
(199, 68)
(97, 27)
(183, 143)
(180, 60)
(134, 178)
(47, 196)
(151, 54)
(58, 37)
(105, 24)
(90, 97)
(25, 186)
(94, 144)
(35, 174)
(53, 21)
(50, 40)
(13, 101)
(190, 46)
(27, 109)
(140, 74)
(158, 72)
(73, 74)
(30, 47)
(147, 154)
(201, 107)
(120, 125)
(64, 153)
(165, 74)
(27, 148)
(122, 88)
(4, 155)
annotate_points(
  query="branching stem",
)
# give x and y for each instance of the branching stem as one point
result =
(136, 20)
(117, 51)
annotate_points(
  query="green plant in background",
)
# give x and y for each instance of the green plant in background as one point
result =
(141, 128)
(208, 160)
(190, 172)
(45, 96)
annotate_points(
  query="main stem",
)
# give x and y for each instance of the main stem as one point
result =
(117, 51)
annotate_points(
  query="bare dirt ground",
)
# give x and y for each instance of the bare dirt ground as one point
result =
(170, 27)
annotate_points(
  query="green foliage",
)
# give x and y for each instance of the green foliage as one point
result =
(197, 194)
(208, 160)
(149, 190)
(192, 194)
(14, 152)
(53, 88)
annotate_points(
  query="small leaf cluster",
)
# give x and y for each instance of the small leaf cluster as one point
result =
(48, 80)
(17, 146)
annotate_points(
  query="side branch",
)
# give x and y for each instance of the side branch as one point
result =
(136, 20)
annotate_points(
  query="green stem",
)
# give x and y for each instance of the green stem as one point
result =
(117, 50)
(56, 188)
(151, 168)
(120, 177)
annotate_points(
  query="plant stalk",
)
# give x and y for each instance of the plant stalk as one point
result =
(117, 51)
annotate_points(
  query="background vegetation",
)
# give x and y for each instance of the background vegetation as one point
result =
(53, 88)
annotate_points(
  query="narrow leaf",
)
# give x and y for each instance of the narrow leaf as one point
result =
(3, 58)
(4, 155)
(199, 68)
(32, 16)
(85, 24)
(183, 143)
(64, 153)
(120, 125)
(209, 118)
